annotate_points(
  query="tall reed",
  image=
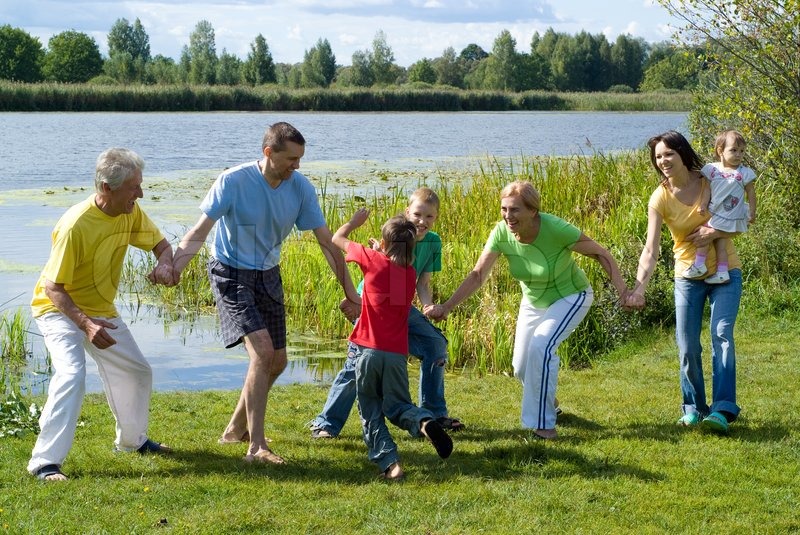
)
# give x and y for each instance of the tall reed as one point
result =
(605, 195)
(15, 350)
(14, 333)
(16, 96)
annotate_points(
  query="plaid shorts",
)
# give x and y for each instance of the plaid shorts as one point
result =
(248, 301)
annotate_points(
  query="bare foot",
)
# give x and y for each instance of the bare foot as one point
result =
(393, 473)
(264, 455)
(234, 437)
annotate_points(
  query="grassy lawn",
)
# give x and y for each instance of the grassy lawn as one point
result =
(620, 464)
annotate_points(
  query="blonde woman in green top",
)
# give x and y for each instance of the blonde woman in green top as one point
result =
(556, 294)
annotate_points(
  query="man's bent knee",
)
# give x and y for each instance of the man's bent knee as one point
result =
(278, 361)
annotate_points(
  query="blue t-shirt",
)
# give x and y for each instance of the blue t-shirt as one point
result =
(253, 218)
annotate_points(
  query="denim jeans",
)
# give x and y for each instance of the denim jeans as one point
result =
(426, 342)
(382, 386)
(690, 299)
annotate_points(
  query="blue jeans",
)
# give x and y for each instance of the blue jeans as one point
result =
(426, 342)
(382, 386)
(690, 299)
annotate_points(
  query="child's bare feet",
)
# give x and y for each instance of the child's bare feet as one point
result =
(393, 473)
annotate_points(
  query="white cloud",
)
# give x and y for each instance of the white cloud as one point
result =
(632, 28)
(414, 28)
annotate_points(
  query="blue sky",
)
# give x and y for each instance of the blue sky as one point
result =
(414, 28)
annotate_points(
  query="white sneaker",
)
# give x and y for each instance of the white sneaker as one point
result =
(694, 272)
(720, 277)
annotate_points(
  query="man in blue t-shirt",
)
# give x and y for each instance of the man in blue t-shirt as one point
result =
(255, 206)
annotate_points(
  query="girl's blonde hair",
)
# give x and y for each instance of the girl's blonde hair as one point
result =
(399, 238)
(525, 191)
(722, 139)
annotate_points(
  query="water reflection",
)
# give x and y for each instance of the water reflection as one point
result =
(187, 355)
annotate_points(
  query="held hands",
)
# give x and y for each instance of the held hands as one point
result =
(633, 301)
(164, 274)
(435, 312)
(350, 310)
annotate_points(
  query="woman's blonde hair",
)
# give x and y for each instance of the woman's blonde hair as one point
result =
(525, 191)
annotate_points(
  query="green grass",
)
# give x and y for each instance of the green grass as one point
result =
(620, 464)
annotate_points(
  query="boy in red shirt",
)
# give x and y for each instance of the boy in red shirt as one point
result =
(381, 338)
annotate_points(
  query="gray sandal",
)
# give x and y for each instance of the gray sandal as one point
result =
(48, 470)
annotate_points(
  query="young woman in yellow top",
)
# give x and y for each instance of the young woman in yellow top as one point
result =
(674, 203)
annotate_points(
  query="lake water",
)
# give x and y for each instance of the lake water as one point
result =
(47, 164)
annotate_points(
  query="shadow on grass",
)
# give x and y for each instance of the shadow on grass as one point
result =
(479, 452)
(568, 419)
(670, 432)
(516, 453)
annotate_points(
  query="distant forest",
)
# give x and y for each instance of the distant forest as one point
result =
(553, 62)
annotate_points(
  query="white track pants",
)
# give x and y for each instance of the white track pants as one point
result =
(539, 333)
(127, 381)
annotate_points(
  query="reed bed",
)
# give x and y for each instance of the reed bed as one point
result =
(603, 194)
(86, 97)
(605, 197)
(15, 346)
(652, 101)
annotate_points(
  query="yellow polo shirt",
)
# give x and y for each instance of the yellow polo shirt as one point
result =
(87, 254)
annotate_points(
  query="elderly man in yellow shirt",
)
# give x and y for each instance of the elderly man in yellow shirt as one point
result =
(73, 306)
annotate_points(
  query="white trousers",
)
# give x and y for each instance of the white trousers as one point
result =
(127, 381)
(539, 333)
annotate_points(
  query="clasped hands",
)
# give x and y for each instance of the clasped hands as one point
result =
(164, 274)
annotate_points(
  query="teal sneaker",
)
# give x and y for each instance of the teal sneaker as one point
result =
(716, 423)
(691, 419)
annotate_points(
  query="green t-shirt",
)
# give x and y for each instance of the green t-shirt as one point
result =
(545, 269)
(427, 256)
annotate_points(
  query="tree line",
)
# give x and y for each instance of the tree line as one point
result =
(554, 61)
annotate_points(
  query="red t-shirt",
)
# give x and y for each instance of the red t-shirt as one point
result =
(385, 301)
